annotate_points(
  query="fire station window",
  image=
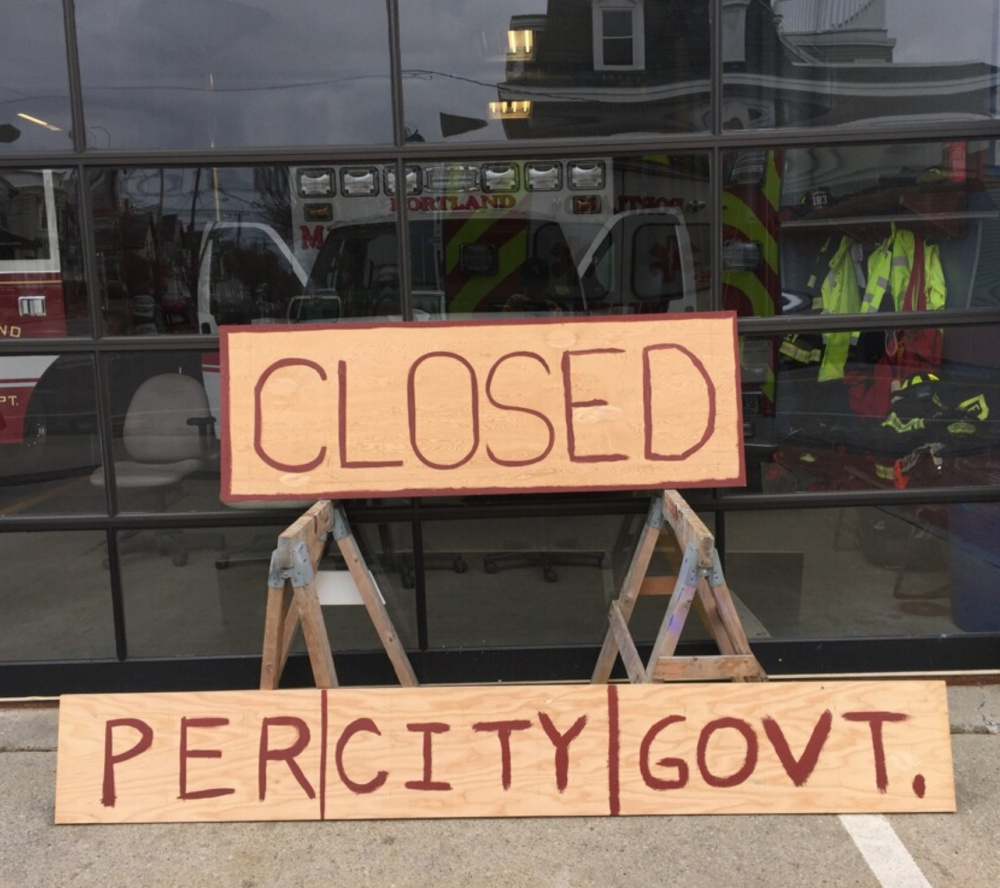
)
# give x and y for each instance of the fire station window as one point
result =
(618, 35)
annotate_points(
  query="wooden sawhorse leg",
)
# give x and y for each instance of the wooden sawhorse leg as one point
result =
(700, 583)
(292, 599)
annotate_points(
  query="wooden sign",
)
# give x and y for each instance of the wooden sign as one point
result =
(355, 410)
(505, 751)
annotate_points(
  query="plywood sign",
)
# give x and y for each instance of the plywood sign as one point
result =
(442, 408)
(534, 750)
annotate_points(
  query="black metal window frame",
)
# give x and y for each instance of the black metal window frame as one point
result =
(966, 653)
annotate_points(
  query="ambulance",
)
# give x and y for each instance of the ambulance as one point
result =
(519, 237)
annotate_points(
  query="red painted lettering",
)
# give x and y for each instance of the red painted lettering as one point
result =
(145, 740)
(571, 405)
(188, 753)
(411, 406)
(749, 761)
(503, 730)
(359, 724)
(428, 729)
(561, 742)
(652, 781)
(875, 721)
(647, 402)
(342, 428)
(799, 769)
(528, 410)
(311, 240)
(287, 755)
(257, 416)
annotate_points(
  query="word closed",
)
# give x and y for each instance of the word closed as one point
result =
(505, 751)
(438, 408)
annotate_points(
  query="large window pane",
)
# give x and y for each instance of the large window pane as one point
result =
(49, 439)
(874, 409)
(213, 603)
(576, 235)
(870, 571)
(34, 90)
(186, 250)
(42, 292)
(788, 214)
(197, 74)
(55, 599)
(165, 414)
(530, 581)
(522, 70)
(819, 63)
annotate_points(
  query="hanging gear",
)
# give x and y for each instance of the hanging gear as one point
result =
(909, 271)
(841, 294)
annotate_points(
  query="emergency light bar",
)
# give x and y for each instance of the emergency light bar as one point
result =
(500, 177)
(359, 181)
(448, 177)
(543, 176)
(315, 183)
(413, 184)
(586, 175)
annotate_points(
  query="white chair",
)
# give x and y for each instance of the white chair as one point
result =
(167, 436)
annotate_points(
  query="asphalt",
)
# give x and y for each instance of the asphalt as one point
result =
(958, 850)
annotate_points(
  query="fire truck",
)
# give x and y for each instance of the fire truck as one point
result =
(33, 298)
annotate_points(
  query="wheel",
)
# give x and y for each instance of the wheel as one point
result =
(489, 565)
(550, 574)
(459, 565)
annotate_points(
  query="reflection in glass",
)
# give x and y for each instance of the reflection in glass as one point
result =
(789, 213)
(532, 581)
(185, 250)
(817, 63)
(569, 236)
(866, 571)
(213, 603)
(49, 439)
(42, 291)
(521, 70)
(873, 409)
(34, 89)
(198, 74)
(55, 600)
(165, 410)
(875, 230)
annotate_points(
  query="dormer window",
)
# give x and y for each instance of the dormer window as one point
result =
(619, 43)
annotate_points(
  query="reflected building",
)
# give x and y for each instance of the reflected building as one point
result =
(588, 68)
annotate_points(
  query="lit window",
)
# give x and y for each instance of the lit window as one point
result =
(619, 42)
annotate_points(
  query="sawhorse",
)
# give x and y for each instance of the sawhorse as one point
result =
(700, 582)
(292, 598)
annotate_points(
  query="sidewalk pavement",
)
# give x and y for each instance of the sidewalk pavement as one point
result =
(958, 850)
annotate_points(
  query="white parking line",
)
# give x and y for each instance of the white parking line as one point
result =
(884, 853)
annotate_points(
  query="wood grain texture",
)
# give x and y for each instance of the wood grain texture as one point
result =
(356, 410)
(505, 751)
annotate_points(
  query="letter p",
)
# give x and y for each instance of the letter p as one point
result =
(108, 796)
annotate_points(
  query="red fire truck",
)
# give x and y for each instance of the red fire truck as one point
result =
(33, 295)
